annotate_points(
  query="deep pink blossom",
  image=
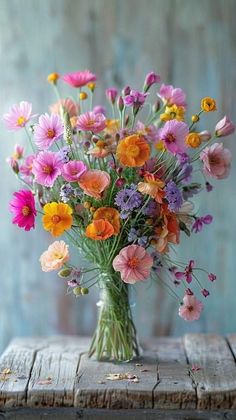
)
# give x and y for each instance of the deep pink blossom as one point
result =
(46, 168)
(18, 116)
(73, 170)
(172, 96)
(200, 222)
(89, 121)
(79, 78)
(224, 127)
(211, 277)
(111, 94)
(205, 292)
(48, 130)
(173, 135)
(187, 273)
(216, 161)
(135, 98)
(150, 79)
(134, 264)
(191, 308)
(22, 206)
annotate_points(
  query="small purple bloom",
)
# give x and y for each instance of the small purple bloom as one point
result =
(209, 187)
(66, 192)
(151, 209)
(135, 98)
(143, 241)
(205, 292)
(133, 235)
(211, 277)
(186, 173)
(183, 158)
(128, 199)
(173, 196)
(64, 154)
(200, 222)
(187, 273)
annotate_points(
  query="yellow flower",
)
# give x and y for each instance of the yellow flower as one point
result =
(193, 140)
(57, 218)
(133, 151)
(53, 77)
(173, 112)
(208, 104)
(91, 86)
(83, 96)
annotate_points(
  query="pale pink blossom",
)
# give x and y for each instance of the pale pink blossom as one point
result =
(216, 161)
(66, 105)
(224, 127)
(18, 116)
(173, 135)
(55, 257)
(48, 130)
(134, 264)
(191, 308)
(90, 121)
(172, 96)
(73, 170)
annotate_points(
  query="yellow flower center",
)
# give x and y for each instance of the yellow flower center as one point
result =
(25, 211)
(56, 219)
(133, 150)
(47, 169)
(133, 262)
(90, 123)
(50, 133)
(21, 121)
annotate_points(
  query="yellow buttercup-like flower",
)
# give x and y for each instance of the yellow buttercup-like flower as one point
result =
(193, 140)
(53, 77)
(57, 218)
(208, 104)
(173, 112)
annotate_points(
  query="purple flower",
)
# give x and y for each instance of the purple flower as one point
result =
(47, 131)
(133, 235)
(99, 109)
(172, 96)
(211, 277)
(185, 174)
(111, 94)
(190, 190)
(135, 98)
(209, 187)
(183, 158)
(64, 154)
(151, 209)
(187, 273)
(205, 292)
(200, 222)
(128, 199)
(150, 79)
(143, 241)
(66, 192)
(173, 196)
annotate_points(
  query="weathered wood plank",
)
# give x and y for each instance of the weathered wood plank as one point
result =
(174, 389)
(216, 379)
(93, 390)
(53, 374)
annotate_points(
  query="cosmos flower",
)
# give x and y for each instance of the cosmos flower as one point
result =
(18, 116)
(48, 130)
(22, 206)
(46, 168)
(73, 170)
(79, 78)
(91, 121)
(172, 96)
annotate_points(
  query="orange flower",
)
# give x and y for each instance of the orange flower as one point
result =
(133, 151)
(94, 182)
(153, 187)
(99, 230)
(109, 214)
(57, 218)
(208, 104)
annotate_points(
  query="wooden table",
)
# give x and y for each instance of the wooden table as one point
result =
(193, 377)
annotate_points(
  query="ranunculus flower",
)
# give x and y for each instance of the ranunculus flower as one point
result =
(55, 257)
(94, 182)
(216, 161)
(224, 127)
(22, 206)
(73, 170)
(133, 151)
(191, 308)
(79, 78)
(90, 121)
(134, 264)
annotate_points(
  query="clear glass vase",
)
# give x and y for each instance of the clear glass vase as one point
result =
(115, 337)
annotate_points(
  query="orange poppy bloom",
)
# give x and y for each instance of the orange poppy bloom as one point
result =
(99, 230)
(133, 151)
(94, 182)
(110, 214)
(152, 186)
(57, 218)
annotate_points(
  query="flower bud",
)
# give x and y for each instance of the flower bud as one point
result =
(189, 292)
(205, 135)
(205, 292)
(150, 79)
(92, 209)
(156, 107)
(65, 272)
(83, 96)
(84, 290)
(126, 91)
(120, 103)
(91, 86)
(224, 127)
(120, 182)
(14, 165)
(126, 120)
(111, 94)
(77, 291)
(53, 77)
(87, 205)
(119, 170)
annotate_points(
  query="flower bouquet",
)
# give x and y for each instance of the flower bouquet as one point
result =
(118, 185)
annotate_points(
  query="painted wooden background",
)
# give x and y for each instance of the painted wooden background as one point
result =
(192, 44)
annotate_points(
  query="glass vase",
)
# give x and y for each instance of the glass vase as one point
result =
(115, 337)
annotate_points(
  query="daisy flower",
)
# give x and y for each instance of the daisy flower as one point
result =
(46, 168)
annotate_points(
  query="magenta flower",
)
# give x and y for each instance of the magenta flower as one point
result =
(22, 206)
(205, 292)
(134, 264)
(89, 121)
(216, 161)
(150, 79)
(111, 94)
(191, 308)
(48, 130)
(200, 222)
(187, 273)
(173, 135)
(18, 116)
(46, 168)
(224, 127)
(79, 78)
(135, 98)
(211, 277)
(73, 170)
(172, 96)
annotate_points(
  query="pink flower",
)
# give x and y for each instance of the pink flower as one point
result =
(150, 132)
(224, 127)
(55, 257)
(89, 121)
(111, 94)
(211, 277)
(79, 78)
(172, 96)
(173, 135)
(99, 109)
(134, 264)
(67, 105)
(191, 308)
(205, 135)
(26, 167)
(216, 161)
(135, 98)
(187, 273)
(73, 170)
(18, 152)
(200, 222)
(46, 168)
(205, 292)
(150, 79)
(18, 116)
(48, 130)
(23, 207)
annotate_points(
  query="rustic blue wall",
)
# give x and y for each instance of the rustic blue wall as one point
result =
(191, 44)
